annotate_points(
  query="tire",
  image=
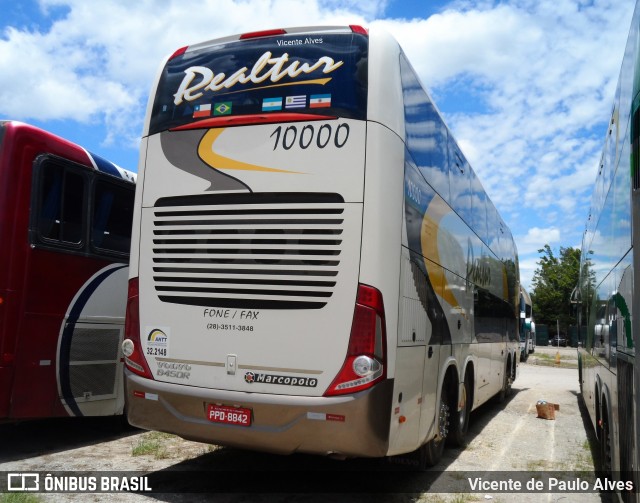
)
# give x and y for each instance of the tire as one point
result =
(431, 452)
(460, 419)
(506, 385)
(580, 376)
(605, 444)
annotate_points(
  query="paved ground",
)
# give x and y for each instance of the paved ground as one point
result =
(515, 441)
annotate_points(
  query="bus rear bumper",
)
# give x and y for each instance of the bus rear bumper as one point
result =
(350, 426)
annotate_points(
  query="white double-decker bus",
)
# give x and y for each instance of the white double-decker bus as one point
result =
(609, 289)
(315, 266)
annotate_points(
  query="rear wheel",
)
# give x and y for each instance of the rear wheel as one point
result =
(580, 374)
(460, 418)
(506, 384)
(431, 452)
(605, 443)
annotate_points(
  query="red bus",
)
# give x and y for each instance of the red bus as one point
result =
(65, 229)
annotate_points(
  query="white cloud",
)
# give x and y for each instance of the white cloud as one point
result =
(536, 238)
(484, 43)
(528, 265)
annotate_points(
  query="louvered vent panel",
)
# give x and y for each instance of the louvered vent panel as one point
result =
(251, 251)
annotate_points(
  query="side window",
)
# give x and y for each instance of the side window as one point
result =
(459, 183)
(426, 134)
(112, 215)
(79, 210)
(478, 207)
(60, 202)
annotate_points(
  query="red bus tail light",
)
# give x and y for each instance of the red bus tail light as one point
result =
(131, 346)
(365, 363)
(355, 28)
(179, 52)
(263, 33)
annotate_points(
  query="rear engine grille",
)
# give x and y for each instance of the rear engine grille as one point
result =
(250, 250)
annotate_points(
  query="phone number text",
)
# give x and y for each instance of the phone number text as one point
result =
(226, 326)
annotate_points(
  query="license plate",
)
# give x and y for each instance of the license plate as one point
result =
(225, 414)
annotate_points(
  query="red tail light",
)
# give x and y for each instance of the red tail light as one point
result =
(263, 33)
(355, 28)
(132, 348)
(365, 363)
(179, 52)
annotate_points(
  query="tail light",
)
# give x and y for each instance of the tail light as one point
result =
(131, 347)
(365, 363)
(263, 33)
(179, 52)
(355, 28)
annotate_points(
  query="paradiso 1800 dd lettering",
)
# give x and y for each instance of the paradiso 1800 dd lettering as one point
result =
(252, 377)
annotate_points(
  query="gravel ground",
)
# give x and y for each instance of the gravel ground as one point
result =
(506, 440)
(514, 438)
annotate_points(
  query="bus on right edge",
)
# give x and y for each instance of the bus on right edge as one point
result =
(608, 374)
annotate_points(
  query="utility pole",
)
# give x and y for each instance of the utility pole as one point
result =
(558, 339)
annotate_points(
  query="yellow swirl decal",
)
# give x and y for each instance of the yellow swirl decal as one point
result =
(208, 154)
(436, 210)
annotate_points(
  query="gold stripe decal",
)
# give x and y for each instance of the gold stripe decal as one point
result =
(434, 213)
(317, 82)
(207, 153)
(278, 369)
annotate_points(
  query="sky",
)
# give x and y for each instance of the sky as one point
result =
(526, 86)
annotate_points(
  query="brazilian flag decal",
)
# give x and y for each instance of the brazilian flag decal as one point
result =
(222, 108)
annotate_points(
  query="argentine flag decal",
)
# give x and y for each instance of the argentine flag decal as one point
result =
(271, 104)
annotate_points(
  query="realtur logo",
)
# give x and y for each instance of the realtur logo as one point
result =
(266, 68)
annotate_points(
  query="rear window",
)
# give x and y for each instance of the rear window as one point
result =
(323, 74)
(80, 210)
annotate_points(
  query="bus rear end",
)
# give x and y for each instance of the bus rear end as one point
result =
(246, 322)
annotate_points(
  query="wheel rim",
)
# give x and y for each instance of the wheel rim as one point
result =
(462, 419)
(443, 421)
(606, 447)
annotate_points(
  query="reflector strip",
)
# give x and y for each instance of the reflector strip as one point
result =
(142, 394)
(321, 416)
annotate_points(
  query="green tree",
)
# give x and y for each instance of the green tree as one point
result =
(553, 281)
